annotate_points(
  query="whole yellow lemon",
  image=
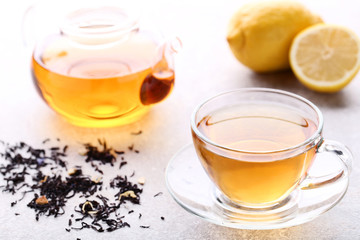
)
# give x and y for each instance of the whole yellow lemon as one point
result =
(260, 34)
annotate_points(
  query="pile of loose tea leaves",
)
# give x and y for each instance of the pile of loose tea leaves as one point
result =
(42, 172)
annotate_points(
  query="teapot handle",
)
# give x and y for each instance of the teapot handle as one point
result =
(38, 21)
(26, 29)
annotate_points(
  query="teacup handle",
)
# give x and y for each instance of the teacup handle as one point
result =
(344, 156)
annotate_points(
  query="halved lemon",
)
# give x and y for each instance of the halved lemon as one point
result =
(325, 57)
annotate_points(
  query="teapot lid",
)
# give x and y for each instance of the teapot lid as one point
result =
(88, 22)
(99, 25)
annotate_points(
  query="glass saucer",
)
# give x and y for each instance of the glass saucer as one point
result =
(190, 186)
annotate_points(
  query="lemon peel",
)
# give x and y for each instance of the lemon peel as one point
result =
(260, 34)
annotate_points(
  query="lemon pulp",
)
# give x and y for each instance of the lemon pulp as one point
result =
(325, 57)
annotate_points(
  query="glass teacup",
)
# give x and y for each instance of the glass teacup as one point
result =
(258, 145)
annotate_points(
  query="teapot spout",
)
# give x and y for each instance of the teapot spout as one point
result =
(174, 45)
(167, 52)
(159, 83)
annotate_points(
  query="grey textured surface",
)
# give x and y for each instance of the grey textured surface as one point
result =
(204, 68)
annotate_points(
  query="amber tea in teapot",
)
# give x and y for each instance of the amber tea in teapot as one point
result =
(99, 73)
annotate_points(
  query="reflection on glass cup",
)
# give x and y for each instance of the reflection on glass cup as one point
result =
(257, 146)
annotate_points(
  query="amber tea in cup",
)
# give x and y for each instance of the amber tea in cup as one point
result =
(256, 128)
(256, 145)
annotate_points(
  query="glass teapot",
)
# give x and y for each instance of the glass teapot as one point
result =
(96, 65)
